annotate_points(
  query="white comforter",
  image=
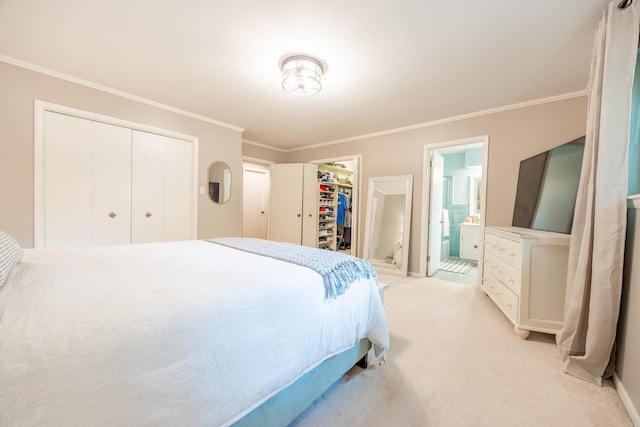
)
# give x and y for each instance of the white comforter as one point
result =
(181, 333)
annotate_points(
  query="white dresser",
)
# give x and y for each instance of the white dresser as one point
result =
(525, 273)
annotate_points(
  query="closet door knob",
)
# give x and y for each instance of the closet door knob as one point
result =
(112, 215)
(299, 215)
(148, 214)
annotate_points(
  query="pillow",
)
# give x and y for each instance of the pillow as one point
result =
(10, 254)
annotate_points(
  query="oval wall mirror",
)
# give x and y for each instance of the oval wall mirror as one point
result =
(219, 176)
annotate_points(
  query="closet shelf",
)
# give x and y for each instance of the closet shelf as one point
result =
(327, 204)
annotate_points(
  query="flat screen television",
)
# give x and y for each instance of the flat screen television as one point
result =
(548, 187)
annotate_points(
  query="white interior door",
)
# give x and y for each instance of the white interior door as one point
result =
(285, 203)
(435, 212)
(111, 185)
(255, 185)
(310, 194)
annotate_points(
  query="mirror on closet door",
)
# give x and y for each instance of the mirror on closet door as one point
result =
(219, 176)
(388, 221)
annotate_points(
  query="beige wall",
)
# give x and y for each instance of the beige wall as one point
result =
(628, 340)
(20, 87)
(513, 135)
(263, 153)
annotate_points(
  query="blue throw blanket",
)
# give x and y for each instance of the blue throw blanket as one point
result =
(338, 270)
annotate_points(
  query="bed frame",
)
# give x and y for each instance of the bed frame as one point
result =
(282, 408)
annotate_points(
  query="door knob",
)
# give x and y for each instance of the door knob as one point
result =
(112, 215)
(148, 214)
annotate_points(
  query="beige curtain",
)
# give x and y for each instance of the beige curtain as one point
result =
(594, 279)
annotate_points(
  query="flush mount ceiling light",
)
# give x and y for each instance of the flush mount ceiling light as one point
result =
(301, 75)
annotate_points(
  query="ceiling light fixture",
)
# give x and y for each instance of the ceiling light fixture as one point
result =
(301, 75)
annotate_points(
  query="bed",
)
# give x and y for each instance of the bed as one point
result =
(178, 333)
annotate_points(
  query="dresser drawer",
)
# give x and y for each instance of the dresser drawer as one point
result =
(491, 243)
(502, 296)
(505, 249)
(506, 273)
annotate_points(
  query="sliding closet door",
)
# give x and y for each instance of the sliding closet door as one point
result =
(68, 181)
(111, 210)
(162, 188)
(99, 181)
(147, 183)
(88, 182)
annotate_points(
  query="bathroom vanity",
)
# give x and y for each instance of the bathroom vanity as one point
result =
(469, 241)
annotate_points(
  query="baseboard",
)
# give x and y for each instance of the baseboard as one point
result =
(626, 401)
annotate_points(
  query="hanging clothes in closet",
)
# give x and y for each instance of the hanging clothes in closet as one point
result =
(344, 219)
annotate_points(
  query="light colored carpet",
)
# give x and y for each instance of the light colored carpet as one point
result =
(455, 361)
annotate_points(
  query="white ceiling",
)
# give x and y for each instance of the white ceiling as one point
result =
(391, 64)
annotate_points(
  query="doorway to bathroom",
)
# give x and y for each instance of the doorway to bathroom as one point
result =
(453, 210)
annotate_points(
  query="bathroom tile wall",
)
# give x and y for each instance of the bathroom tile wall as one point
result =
(457, 214)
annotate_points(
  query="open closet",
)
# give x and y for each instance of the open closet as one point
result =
(312, 204)
(338, 178)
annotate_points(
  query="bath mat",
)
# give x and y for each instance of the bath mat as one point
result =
(457, 266)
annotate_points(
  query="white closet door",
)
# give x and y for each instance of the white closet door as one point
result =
(147, 187)
(111, 185)
(285, 206)
(99, 183)
(67, 180)
(178, 191)
(310, 206)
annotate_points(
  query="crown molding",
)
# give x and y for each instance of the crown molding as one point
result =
(447, 120)
(32, 67)
(106, 89)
